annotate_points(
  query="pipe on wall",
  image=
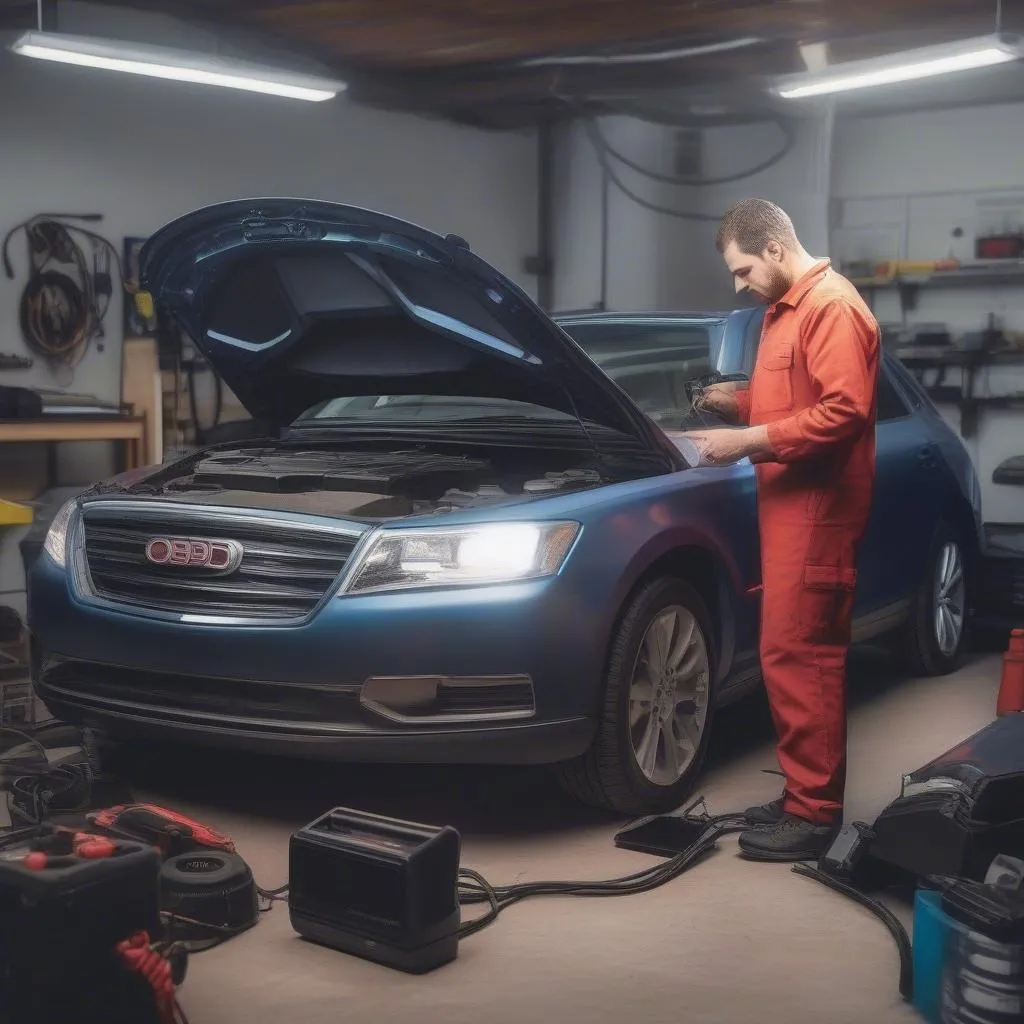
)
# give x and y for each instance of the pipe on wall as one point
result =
(545, 215)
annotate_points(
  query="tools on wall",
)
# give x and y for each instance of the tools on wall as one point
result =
(10, 361)
(73, 274)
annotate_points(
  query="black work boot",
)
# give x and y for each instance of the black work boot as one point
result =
(765, 814)
(789, 839)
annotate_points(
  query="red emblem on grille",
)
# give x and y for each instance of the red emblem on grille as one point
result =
(195, 553)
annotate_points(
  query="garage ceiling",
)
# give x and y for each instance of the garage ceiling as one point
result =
(509, 62)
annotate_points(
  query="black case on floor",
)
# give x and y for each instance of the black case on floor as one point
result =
(59, 929)
(961, 810)
(379, 888)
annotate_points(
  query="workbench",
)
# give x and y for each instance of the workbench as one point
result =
(17, 699)
(128, 431)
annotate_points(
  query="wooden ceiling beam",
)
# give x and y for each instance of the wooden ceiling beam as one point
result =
(391, 34)
(476, 60)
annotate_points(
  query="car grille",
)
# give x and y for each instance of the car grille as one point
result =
(285, 570)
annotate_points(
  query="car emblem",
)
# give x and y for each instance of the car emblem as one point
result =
(220, 556)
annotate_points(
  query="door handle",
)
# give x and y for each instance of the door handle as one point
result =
(927, 457)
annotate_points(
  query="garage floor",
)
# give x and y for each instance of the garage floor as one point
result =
(730, 941)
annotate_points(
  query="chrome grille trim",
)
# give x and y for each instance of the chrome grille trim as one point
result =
(290, 565)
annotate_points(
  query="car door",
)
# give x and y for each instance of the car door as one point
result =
(737, 354)
(651, 358)
(895, 546)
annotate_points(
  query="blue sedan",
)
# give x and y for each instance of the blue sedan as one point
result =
(458, 532)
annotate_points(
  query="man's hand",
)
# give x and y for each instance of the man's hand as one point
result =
(723, 447)
(719, 399)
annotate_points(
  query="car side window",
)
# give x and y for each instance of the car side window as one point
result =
(650, 362)
(891, 404)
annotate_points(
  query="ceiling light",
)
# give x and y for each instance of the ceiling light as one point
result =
(913, 65)
(174, 65)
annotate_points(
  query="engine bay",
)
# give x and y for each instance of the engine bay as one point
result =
(375, 483)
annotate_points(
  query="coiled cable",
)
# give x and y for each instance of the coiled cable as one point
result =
(70, 286)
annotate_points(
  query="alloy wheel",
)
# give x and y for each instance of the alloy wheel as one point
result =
(668, 696)
(950, 598)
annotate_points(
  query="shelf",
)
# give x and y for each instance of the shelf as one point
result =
(963, 395)
(966, 277)
(928, 356)
(14, 514)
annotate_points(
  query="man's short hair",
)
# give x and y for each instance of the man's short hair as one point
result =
(752, 224)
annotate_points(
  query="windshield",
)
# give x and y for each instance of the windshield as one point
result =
(651, 363)
(428, 408)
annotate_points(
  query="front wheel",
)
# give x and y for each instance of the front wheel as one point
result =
(934, 638)
(657, 709)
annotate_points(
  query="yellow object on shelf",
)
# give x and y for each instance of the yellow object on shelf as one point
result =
(14, 514)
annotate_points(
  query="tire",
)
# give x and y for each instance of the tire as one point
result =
(610, 775)
(926, 648)
(210, 894)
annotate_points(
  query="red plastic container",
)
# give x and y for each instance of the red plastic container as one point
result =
(1011, 688)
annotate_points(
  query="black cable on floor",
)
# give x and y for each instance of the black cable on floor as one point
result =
(471, 927)
(882, 912)
(272, 896)
(473, 888)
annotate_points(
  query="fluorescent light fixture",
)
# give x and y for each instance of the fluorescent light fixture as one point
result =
(912, 65)
(174, 65)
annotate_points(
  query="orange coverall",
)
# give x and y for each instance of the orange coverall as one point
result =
(815, 385)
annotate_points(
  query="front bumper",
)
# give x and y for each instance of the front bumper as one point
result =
(301, 689)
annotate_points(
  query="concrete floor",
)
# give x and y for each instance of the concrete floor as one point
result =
(730, 941)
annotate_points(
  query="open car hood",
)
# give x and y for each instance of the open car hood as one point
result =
(295, 302)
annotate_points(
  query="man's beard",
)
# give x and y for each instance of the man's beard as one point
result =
(778, 285)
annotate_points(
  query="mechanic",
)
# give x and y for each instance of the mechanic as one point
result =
(808, 421)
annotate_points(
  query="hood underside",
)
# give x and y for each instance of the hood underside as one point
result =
(296, 303)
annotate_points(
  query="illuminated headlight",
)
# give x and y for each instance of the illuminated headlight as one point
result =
(461, 556)
(56, 541)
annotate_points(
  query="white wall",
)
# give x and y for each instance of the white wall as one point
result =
(799, 183)
(660, 261)
(142, 152)
(902, 184)
(632, 274)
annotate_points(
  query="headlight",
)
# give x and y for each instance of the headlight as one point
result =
(55, 544)
(461, 556)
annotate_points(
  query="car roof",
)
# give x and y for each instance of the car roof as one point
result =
(609, 316)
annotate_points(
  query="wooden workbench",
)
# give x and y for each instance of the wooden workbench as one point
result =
(129, 431)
